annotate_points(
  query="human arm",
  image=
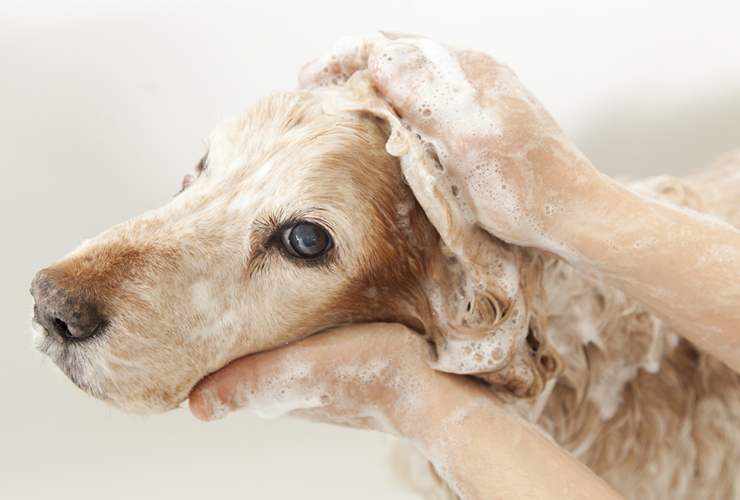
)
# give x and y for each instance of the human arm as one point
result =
(375, 376)
(682, 264)
(529, 185)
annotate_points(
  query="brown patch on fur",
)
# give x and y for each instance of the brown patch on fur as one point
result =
(98, 274)
(673, 433)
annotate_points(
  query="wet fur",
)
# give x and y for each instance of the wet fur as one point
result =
(204, 280)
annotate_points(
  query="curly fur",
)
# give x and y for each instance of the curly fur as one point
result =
(205, 280)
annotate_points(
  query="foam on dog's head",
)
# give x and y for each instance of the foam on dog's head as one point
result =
(204, 280)
(488, 311)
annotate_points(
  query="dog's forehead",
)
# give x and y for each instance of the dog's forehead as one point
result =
(282, 127)
(286, 150)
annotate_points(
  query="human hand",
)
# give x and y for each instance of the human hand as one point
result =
(375, 376)
(371, 376)
(513, 169)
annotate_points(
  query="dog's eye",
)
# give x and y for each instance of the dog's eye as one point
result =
(306, 240)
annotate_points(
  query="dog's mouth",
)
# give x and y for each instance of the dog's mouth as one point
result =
(70, 356)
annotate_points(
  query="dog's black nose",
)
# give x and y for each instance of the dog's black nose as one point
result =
(65, 316)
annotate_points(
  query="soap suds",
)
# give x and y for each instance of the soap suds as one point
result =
(447, 97)
(488, 272)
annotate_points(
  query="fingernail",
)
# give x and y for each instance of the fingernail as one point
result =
(207, 406)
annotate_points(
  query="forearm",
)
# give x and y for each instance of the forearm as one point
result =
(485, 451)
(682, 264)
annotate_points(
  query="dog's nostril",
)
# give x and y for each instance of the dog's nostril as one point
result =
(63, 315)
(60, 328)
(71, 332)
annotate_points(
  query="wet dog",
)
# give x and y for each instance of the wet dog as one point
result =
(298, 219)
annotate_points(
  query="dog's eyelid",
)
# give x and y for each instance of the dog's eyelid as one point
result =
(279, 222)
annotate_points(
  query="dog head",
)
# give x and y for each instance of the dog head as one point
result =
(296, 220)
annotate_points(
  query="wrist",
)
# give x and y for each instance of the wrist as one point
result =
(599, 221)
(444, 401)
(421, 410)
(577, 213)
(482, 448)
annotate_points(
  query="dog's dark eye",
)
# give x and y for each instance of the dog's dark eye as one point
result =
(306, 240)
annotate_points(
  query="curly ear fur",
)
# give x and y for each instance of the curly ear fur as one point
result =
(487, 306)
(491, 326)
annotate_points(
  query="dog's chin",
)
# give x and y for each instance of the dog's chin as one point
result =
(67, 359)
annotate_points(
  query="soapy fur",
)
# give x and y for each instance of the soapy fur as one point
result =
(204, 280)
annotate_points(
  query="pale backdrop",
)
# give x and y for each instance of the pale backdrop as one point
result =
(102, 109)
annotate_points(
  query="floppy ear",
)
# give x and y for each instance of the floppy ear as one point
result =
(488, 306)
(491, 314)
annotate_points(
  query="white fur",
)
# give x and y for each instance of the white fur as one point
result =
(202, 281)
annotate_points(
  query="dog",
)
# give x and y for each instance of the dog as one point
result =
(299, 218)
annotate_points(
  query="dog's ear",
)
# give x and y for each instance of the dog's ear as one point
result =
(491, 314)
(487, 303)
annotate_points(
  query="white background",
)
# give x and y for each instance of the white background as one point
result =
(102, 109)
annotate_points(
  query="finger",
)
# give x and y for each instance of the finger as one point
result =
(271, 383)
(427, 86)
(338, 64)
(303, 375)
(215, 396)
(401, 73)
(346, 56)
